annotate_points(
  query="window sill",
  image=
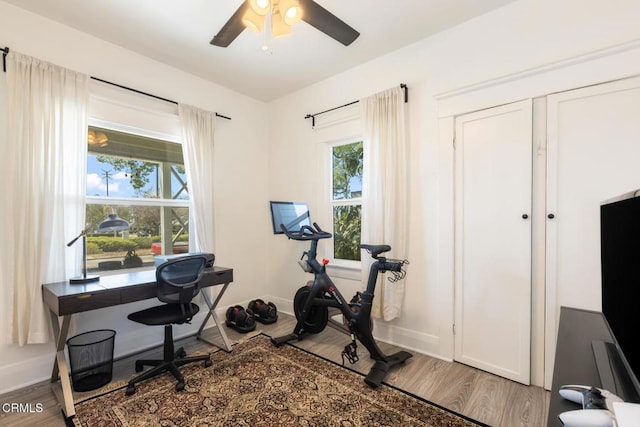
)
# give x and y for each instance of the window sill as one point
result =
(121, 270)
(344, 271)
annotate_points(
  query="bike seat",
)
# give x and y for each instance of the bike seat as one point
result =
(376, 250)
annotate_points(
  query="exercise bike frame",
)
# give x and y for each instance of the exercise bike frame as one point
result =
(324, 293)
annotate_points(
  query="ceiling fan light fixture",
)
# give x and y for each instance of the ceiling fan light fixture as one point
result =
(291, 11)
(278, 27)
(261, 7)
(253, 21)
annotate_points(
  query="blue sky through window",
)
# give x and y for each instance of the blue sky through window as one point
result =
(119, 184)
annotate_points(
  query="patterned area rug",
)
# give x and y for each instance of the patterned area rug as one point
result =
(259, 384)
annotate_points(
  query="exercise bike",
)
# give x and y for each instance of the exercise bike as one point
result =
(311, 303)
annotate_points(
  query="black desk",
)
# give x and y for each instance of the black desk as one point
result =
(65, 299)
(574, 362)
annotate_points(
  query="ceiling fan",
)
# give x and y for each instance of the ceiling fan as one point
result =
(251, 14)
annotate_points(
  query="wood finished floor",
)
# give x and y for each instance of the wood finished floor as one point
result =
(482, 396)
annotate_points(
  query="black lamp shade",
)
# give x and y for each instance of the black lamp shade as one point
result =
(113, 223)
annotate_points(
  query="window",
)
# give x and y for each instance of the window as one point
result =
(346, 199)
(143, 181)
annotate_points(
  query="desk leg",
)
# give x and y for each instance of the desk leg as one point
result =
(60, 369)
(212, 313)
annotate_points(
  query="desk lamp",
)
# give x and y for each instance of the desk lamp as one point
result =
(112, 223)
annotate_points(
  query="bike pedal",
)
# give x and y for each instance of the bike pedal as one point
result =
(351, 353)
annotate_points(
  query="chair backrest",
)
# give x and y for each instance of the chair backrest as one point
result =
(179, 279)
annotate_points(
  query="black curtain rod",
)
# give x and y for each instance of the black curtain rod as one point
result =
(313, 116)
(147, 94)
(5, 52)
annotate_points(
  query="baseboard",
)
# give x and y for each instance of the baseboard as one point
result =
(37, 369)
(283, 305)
(409, 339)
(406, 338)
(26, 372)
(33, 370)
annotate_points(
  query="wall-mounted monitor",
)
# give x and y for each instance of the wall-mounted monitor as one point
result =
(292, 214)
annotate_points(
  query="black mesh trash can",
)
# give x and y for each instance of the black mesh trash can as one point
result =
(91, 359)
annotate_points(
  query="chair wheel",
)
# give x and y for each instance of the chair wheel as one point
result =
(130, 389)
(139, 367)
(180, 386)
(207, 363)
(181, 354)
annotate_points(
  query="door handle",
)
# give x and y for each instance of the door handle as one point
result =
(551, 216)
(525, 216)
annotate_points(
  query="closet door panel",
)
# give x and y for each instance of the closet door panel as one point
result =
(493, 240)
(593, 154)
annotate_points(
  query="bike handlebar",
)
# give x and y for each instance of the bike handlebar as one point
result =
(396, 267)
(314, 233)
(306, 232)
(392, 265)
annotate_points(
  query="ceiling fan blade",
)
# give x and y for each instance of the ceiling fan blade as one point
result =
(231, 29)
(325, 21)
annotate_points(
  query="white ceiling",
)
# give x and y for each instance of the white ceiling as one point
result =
(178, 32)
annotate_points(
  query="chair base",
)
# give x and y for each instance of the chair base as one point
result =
(171, 362)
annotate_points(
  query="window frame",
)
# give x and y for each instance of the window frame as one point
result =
(138, 201)
(337, 263)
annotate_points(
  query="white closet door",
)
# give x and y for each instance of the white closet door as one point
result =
(493, 240)
(593, 154)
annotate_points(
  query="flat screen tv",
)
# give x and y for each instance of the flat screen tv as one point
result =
(620, 255)
(292, 214)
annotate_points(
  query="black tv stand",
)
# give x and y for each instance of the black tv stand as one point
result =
(575, 362)
(606, 356)
(612, 371)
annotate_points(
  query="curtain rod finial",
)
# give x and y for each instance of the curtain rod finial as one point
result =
(313, 119)
(406, 92)
(5, 52)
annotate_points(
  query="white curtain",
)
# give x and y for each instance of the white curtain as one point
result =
(385, 184)
(198, 148)
(43, 186)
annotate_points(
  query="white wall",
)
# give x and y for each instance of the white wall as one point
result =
(240, 186)
(516, 40)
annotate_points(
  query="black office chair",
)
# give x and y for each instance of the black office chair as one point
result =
(178, 283)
